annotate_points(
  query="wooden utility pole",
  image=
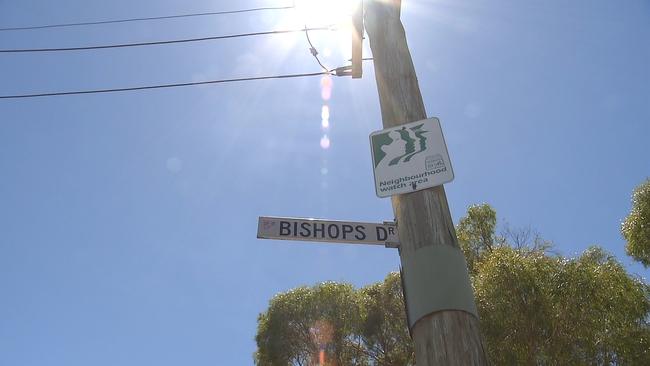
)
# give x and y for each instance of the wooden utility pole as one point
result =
(444, 331)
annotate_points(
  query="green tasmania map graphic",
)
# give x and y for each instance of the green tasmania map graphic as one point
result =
(398, 146)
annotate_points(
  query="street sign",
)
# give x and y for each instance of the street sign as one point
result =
(410, 157)
(286, 228)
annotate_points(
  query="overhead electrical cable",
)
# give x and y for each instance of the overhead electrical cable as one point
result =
(122, 45)
(339, 71)
(313, 50)
(162, 86)
(144, 18)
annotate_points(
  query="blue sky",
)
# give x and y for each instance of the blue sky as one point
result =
(128, 220)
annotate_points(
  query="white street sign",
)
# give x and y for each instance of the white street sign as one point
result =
(286, 228)
(410, 157)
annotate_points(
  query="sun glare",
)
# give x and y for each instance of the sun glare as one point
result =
(325, 12)
(334, 14)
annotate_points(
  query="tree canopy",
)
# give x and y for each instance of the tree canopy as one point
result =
(539, 309)
(636, 226)
(535, 307)
(476, 233)
(334, 324)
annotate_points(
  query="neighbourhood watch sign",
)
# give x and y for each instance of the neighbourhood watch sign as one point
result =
(410, 157)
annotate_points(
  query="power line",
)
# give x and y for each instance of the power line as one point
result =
(159, 42)
(144, 18)
(162, 86)
(339, 71)
(313, 50)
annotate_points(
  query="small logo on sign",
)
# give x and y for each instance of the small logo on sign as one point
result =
(433, 162)
(267, 224)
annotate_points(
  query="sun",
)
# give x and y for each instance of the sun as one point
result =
(336, 13)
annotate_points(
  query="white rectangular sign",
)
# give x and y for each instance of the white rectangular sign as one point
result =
(410, 157)
(286, 228)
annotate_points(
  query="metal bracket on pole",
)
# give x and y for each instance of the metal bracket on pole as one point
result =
(435, 279)
(406, 305)
(343, 71)
(391, 244)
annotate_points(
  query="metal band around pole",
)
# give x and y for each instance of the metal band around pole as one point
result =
(435, 278)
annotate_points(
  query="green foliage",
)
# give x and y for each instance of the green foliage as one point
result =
(348, 327)
(383, 328)
(509, 295)
(636, 226)
(539, 309)
(301, 323)
(476, 233)
(535, 309)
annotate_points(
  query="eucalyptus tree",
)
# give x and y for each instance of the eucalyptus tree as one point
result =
(535, 308)
(542, 309)
(636, 226)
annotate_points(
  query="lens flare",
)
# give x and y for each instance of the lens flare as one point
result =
(325, 112)
(325, 142)
(326, 87)
(325, 116)
(174, 164)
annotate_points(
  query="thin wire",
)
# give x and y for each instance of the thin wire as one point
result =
(145, 18)
(313, 50)
(158, 42)
(161, 86)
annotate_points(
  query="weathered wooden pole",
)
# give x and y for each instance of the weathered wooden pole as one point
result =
(440, 302)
